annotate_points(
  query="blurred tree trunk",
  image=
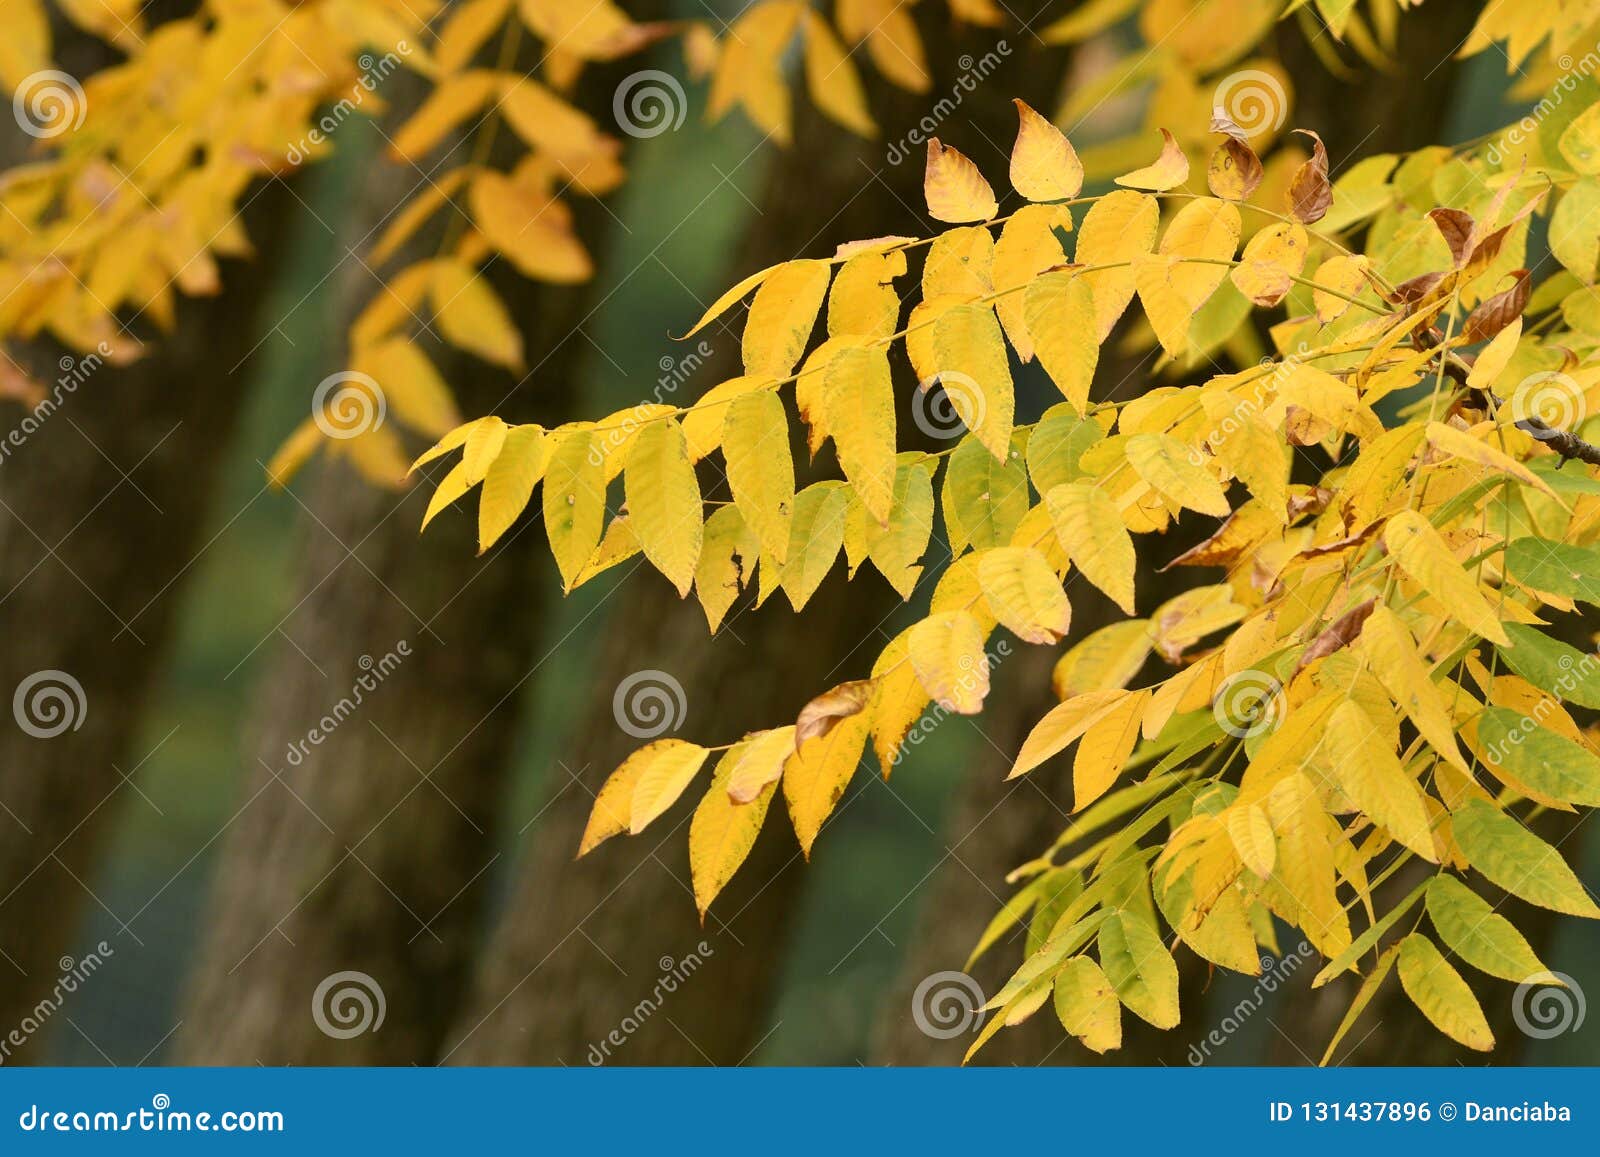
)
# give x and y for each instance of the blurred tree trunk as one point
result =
(102, 510)
(370, 852)
(582, 944)
(995, 825)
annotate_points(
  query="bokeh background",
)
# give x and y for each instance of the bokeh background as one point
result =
(489, 944)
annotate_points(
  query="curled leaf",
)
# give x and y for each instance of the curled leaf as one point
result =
(1170, 169)
(823, 713)
(1310, 193)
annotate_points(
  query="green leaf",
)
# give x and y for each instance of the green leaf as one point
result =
(1553, 666)
(1540, 758)
(1473, 930)
(1444, 998)
(1364, 994)
(1511, 856)
(1057, 443)
(1368, 940)
(1572, 235)
(1140, 968)
(897, 549)
(1556, 567)
(1087, 1005)
(816, 532)
(985, 500)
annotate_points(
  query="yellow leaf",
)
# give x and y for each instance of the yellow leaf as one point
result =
(1063, 725)
(451, 487)
(1374, 780)
(1156, 278)
(531, 228)
(858, 408)
(1028, 246)
(727, 559)
(665, 769)
(1461, 444)
(760, 763)
(704, 423)
(1271, 261)
(782, 316)
(1108, 658)
(1105, 749)
(1337, 279)
(618, 544)
(574, 500)
(1252, 837)
(898, 700)
(755, 444)
(893, 44)
(721, 305)
(409, 386)
(613, 806)
(976, 375)
(1091, 530)
(1044, 165)
(469, 26)
(1394, 659)
(550, 124)
(1087, 1006)
(482, 447)
(723, 831)
(954, 189)
(815, 777)
(1177, 473)
(1235, 171)
(959, 265)
(395, 304)
(297, 448)
(946, 651)
(832, 79)
(25, 48)
(1024, 594)
(1206, 233)
(407, 220)
(664, 502)
(1250, 449)
(1422, 554)
(509, 482)
(1324, 396)
(863, 301)
(452, 102)
(1444, 998)
(453, 440)
(1119, 227)
(1059, 315)
(1494, 357)
(1169, 170)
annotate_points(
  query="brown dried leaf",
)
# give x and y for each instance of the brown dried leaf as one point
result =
(1495, 313)
(1456, 227)
(1339, 635)
(823, 713)
(1310, 192)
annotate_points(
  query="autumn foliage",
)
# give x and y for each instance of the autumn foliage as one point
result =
(1368, 394)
